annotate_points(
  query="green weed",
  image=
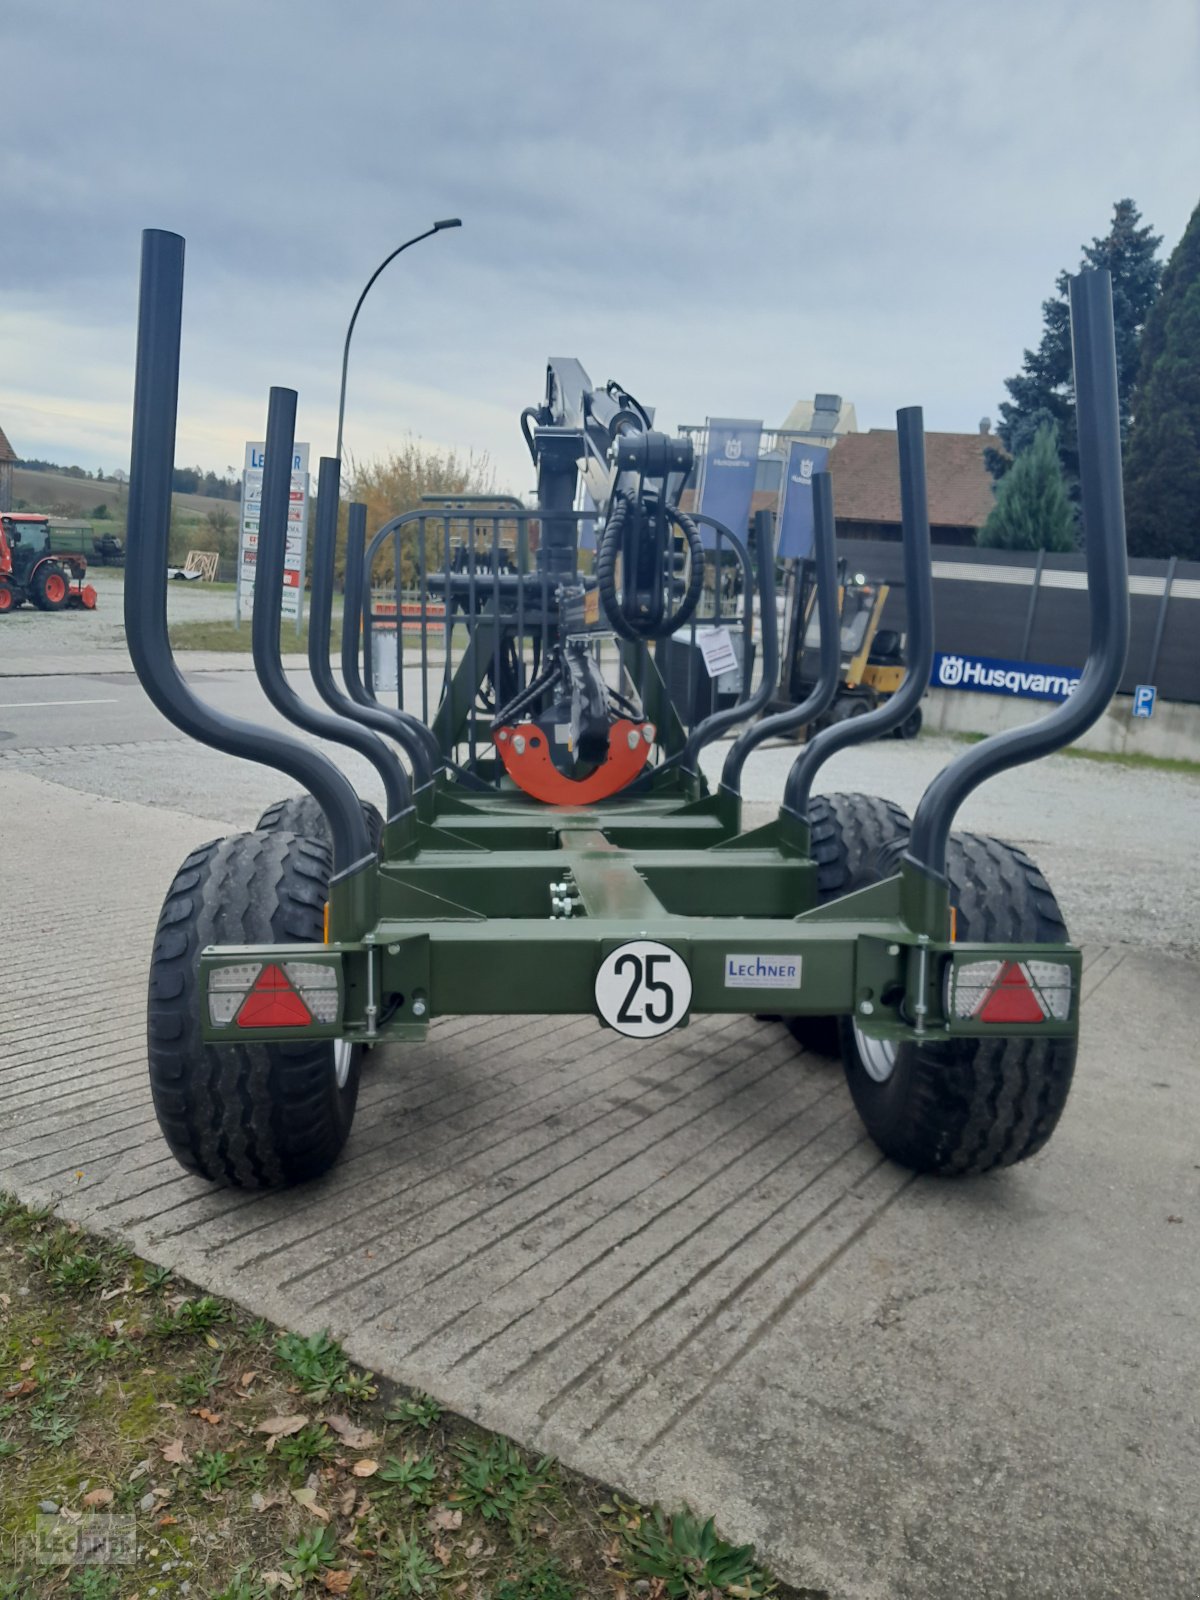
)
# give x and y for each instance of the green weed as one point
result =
(495, 1481)
(313, 1550)
(415, 1475)
(546, 1581)
(212, 1469)
(421, 1410)
(690, 1558)
(409, 1567)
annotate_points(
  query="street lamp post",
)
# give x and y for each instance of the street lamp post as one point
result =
(447, 222)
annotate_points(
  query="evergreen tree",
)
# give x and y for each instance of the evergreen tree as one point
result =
(1043, 391)
(1033, 510)
(1162, 464)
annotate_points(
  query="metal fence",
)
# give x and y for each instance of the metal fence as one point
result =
(1033, 607)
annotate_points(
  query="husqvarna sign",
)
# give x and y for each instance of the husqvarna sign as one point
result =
(727, 472)
(796, 515)
(1025, 680)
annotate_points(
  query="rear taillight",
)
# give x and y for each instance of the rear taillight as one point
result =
(274, 994)
(1013, 993)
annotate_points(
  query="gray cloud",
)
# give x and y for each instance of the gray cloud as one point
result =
(725, 206)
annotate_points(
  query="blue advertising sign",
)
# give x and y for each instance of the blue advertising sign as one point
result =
(796, 513)
(727, 473)
(1024, 679)
(1144, 697)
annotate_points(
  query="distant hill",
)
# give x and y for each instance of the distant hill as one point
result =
(77, 497)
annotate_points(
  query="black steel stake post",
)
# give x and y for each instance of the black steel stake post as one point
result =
(918, 583)
(155, 401)
(829, 673)
(265, 638)
(713, 726)
(320, 628)
(438, 227)
(413, 736)
(1098, 421)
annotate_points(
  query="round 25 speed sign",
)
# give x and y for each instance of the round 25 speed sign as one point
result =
(643, 989)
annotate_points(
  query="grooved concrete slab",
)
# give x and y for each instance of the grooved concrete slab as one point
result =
(679, 1264)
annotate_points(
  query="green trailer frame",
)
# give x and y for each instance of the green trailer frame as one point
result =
(481, 900)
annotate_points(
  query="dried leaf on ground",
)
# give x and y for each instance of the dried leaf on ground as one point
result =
(205, 1415)
(28, 1364)
(278, 1580)
(445, 1520)
(280, 1428)
(346, 1503)
(337, 1582)
(366, 1468)
(443, 1552)
(350, 1433)
(98, 1497)
(176, 1453)
(307, 1498)
(266, 1502)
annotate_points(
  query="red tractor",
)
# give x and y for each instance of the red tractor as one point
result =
(31, 570)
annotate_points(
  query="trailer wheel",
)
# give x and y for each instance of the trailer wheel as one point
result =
(847, 832)
(300, 814)
(255, 1116)
(48, 588)
(968, 1105)
(911, 726)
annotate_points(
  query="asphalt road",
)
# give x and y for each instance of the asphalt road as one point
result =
(1117, 842)
(679, 1265)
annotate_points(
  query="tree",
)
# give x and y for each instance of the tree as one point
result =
(1162, 463)
(1043, 390)
(1033, 510)
(395, 483)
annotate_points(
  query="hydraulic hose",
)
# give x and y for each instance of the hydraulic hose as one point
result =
(627, 627)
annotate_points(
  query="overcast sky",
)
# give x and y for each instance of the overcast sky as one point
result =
(726, 206)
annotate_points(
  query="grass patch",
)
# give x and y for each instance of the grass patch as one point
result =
(254, 1462)
(226, 636)
(1112, 758)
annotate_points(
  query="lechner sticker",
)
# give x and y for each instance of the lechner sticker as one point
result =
(643, 988)
(762, 972)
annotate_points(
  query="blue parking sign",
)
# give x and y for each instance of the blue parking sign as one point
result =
(1143, 700)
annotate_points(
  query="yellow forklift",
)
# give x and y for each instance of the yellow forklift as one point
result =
(872, 657)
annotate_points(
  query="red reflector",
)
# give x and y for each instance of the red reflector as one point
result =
(273, 1003)
(1011, 999)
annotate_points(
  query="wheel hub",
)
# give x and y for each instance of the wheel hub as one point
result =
(878, 1056)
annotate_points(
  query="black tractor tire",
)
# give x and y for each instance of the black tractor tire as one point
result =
(50, 587)
(255, 1116)
(968, 1105)
(300, 814)
(847, 832)
(911, 726)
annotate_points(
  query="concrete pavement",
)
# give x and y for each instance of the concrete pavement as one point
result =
(679, 1265)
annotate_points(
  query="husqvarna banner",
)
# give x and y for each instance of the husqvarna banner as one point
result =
(796, 513)
(1028, 679)
(727, 473)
